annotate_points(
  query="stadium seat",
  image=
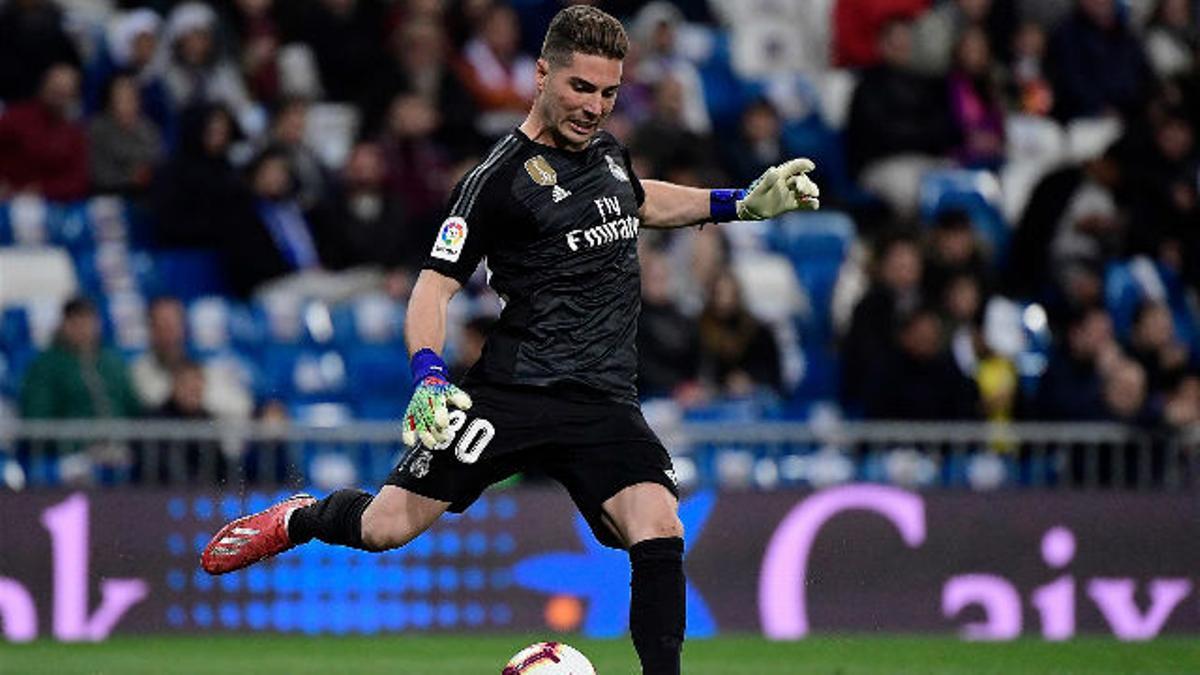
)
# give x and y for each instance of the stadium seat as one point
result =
(379, 371)
(26, 221)
(1035, 146)
(70, 226)
(304, 375)
(816, 243)
(373, 319)
(184, 273)
(35, 274)
(774, 291)
(1129, 283)
(1088, 138)
(125, 313)
(975, 191)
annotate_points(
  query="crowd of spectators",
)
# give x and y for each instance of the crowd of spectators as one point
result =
(208, 116)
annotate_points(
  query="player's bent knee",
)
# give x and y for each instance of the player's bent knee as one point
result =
(657, 528)
(381, 535)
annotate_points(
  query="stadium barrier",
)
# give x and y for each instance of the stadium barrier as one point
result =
(759, 454)
(854, 558)
(1088, 529)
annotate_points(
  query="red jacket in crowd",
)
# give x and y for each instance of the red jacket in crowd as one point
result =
(43, 152)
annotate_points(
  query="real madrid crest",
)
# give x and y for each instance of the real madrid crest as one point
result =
(540, 171)
(420, 464)
(617, 170)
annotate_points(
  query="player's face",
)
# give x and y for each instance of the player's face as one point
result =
(576, 98)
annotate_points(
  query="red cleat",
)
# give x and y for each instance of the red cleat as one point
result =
(249, 539)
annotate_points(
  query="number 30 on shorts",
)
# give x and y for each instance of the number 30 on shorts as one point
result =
(471, 443)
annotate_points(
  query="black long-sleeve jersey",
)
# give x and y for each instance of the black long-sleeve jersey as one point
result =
(558, 230)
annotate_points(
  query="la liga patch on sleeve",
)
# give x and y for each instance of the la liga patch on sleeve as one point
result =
(450, 239)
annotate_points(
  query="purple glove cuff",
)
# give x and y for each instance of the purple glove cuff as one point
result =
(426, 363)
(722, 204)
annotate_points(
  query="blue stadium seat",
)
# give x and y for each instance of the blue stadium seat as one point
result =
(217, 325)
(71, 226)
(6, 233)
(15, 331)
(304, 375)
(1128, 283)
(975, 191)
(379, 371)
(817, 244)
(184, 273)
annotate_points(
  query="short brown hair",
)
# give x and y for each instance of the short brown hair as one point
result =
(585, 30)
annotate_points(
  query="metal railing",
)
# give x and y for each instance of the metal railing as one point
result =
(751, 455)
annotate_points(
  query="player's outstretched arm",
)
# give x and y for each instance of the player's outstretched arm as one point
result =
(780, 189)
(427, 418)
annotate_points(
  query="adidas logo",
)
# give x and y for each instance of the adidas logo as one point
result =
(559, 193)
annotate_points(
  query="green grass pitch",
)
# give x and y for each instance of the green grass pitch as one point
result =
(486, 655)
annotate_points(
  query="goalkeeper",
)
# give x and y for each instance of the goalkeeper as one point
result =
(555, 207)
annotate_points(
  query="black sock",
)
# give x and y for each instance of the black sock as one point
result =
(658, 604)
(336, 519)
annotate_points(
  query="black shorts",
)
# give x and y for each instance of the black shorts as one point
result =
(594, 449)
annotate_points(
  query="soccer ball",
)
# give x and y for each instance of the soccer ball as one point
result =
(549, 658)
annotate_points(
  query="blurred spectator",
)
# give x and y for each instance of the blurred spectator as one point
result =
(470, 345)
(125, 146)
(1127, 396)
(656, 60)
(130, 45)
(899, 124)
(1068, 210)
(273, 236)
(347, 38)
(498, 75)
(668, 351)
(1181, 407)
(895, 290)
(1072, 388)
(42, 148)
(1172, 39)
(738, 353)
(759, 146)
(182, 461)
(1029, 89)
(418, 171)
(665, 140)
(1154, 345)
(858, 25)
(32, 40)
(198, 188)
(962, 310)
(1088, 233)
(953, 250)
(223, 394)
(288, 130)
(918, 379)
(937, 33)
(976, 103)
(196, 71)
(372, 218)
(418, 64)
(463, 18)
(76, 377)
(1163, 189)
(258, 34)
(1096, 63)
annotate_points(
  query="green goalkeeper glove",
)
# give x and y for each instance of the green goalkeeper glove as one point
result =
(428, 419)
(782, 188)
